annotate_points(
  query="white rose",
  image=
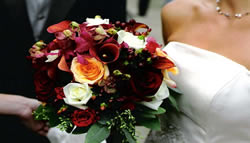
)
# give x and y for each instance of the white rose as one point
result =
(96, 21)
(132, 40)
(158, 98)
(77, 94)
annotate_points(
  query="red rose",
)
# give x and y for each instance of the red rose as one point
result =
(146, 83)
(83, 118)
(59, 93)
(43, 85)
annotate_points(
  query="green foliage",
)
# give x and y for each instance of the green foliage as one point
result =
(148, 117)
(104, 119)
(42, 113)
(124, 123)
(65, 124)
(128, 135)
(145, 110)
(152, 123)
(80, 130)
(141, 37)
(97, 133)
(174, 103)
(47, 113)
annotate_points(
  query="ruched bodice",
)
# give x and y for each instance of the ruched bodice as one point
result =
(215, 98)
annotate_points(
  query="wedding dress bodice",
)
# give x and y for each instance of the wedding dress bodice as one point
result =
(215, 100)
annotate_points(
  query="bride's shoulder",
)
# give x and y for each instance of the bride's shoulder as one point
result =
(180, 13)
(182, 9)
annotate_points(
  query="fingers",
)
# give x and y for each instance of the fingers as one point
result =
(43, 130)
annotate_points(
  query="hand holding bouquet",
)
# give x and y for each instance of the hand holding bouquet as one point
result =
(99, 78)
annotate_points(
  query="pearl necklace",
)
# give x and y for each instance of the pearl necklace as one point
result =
(237, 15)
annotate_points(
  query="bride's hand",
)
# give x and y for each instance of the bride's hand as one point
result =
(26, 116)
(23, 107)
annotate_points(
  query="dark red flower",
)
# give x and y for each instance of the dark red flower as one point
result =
(67, 46)
(146, 82)
(108, 52)
(43, 85)
(59, 93)
(152, 45)
(134, 27)
(84, 118)
(129, 105)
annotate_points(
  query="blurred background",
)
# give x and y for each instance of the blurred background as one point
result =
(149, 14)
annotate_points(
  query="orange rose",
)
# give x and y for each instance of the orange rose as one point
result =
(89, 73)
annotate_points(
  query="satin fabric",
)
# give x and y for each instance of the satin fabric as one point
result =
(215, 98)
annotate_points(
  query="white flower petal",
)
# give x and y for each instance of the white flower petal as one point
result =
(132, 40)
(153, 104)
(163, 92)
(158, 98)
(77, 94)
(96, 21)
(53, 56)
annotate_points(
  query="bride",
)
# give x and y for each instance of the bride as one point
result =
(209, 40)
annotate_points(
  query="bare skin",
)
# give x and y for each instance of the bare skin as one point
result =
(23, 107)
(197, 23)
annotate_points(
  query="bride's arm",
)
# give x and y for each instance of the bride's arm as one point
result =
(22, 107)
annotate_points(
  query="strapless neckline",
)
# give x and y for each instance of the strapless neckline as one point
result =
(215, 92)
(210, 52)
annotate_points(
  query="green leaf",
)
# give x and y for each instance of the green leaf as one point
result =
(80, 130)
(104, 119)
(141, 37)
(145, 109)
(97, 133)
(128, 136)
(152, 123)
(174, 103)
(53, 121)
(160, 111)
(144, 115)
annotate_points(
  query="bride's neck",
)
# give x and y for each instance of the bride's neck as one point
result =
(236, 6)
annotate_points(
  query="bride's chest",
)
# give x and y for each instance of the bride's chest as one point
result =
(212, 86)
(232, 43)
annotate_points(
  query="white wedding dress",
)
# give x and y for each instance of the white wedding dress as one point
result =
(55, 135)
(215, 100)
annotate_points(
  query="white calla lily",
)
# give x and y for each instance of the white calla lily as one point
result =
(158, 98)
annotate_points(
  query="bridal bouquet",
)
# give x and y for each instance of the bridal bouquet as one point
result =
(101, 78)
